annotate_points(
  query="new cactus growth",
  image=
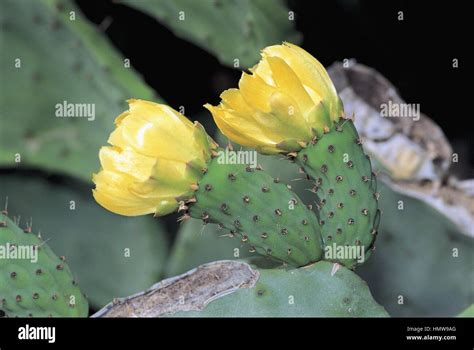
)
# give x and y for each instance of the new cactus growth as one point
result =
(260, 211)
(346, 191)
(34, 282)
(150, 170)
(288, 105)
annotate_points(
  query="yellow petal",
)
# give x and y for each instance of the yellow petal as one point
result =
(311, 73)
(127, 161)
(112, 193)
(288, 82)
(255, 91)
(155, 133)
(241, 131)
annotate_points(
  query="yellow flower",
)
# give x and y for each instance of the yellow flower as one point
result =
(286, 101)
(155, 161)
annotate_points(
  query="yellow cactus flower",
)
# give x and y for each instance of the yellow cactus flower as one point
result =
(155, 161)
(286, 101)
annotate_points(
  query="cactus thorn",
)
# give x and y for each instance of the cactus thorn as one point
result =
(335, 268)
(194, 187)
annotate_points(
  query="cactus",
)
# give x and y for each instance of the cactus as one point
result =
(238, 28)
(197, 243)
(289, 105)
(346, 188)
(261, 211)
(313, 291)
(72, 223)
(37, 284)
(159, 162)
(237, 289)
(36, 137)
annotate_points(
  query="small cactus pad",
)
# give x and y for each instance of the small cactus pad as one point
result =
(346, 190)
(34, 282)
(259, 211)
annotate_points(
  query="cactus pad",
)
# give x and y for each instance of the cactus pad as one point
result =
(35, 287)
(346, 190)
(260, 211)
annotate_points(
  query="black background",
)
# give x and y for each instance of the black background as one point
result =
(415, 54)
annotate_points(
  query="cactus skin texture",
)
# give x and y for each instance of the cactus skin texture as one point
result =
(312, 291)
(346, 189)
(262, 212)
(45, 288)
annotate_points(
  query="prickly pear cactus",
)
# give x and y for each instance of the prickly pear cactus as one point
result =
(346, 190)
(258, 209)
(38, 283)
(318, 290)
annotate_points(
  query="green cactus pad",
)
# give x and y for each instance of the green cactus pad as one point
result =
(35, 287)
(314, 291)
(260, 211)
(346, 190)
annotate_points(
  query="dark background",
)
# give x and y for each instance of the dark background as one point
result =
(415, 54)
